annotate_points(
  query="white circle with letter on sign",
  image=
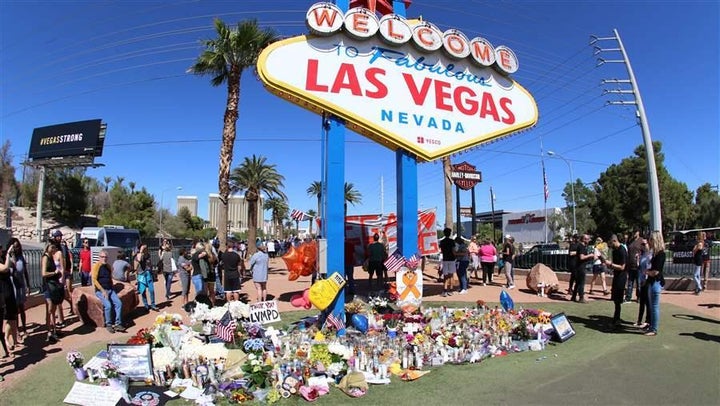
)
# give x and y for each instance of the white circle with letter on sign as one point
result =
(395, 30)
(361, 23)
(324, 18)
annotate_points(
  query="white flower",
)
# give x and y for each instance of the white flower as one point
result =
(255, 362)
(335, 368)
(238, 309)
(163, 357)
(252, 357)
(200, 313)
(339, 349)
(217, 313)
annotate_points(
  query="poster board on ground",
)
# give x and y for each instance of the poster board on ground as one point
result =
(563, 329)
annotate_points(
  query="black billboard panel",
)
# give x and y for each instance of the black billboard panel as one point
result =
(80, 138)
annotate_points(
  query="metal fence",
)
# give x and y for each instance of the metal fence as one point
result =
(558, 263)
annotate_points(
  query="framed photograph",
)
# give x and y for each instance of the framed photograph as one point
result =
(133, 361)
(562, 326)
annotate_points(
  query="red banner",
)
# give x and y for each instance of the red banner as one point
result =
(359, 231)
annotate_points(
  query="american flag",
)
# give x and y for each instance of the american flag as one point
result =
(299, 215)
(412, 262)
(226, 327)
(394, 262)
(334, 321)
(545, 183)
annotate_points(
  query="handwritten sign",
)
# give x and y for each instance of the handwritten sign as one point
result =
(95, 395)
(264, 312)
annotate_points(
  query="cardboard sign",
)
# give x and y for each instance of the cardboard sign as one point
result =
(264, 312)
(409, 287)
(92, 395)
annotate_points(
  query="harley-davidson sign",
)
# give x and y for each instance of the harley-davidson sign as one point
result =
(402, 83)
(465, 176)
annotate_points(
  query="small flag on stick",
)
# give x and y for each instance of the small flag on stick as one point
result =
(226, 327)
(394, 262)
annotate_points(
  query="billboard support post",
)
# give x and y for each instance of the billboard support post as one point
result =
(40, 192)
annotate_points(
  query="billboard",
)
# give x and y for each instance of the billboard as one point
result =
(401, 83)
(80, 138)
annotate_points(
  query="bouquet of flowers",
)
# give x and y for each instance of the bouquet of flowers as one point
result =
(379, 304)
(110, 370)
(75, 359)
(355, 307)
(257, 371)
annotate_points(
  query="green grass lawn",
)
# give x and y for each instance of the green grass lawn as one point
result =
(679, 366)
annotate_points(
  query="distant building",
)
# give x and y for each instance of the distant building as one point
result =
(189, 202)
(237, 212)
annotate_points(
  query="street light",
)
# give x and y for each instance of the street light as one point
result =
(572, 186)
(162, 198)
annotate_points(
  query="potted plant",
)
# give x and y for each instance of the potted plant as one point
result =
(76, 360)
(391, 324)
(112, 373)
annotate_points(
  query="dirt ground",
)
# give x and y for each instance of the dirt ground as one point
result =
(36, 349)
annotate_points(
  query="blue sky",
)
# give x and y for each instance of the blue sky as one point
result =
(125, 62)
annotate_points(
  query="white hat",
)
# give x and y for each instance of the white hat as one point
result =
(508, 236)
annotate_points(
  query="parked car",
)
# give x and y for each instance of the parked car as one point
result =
(549, 254)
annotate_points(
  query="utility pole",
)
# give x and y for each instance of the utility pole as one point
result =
(653, 187)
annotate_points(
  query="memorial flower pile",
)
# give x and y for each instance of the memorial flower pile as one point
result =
(301, 361)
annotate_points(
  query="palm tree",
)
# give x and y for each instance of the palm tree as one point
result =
(352, 196)
(132, 187)
(107, 181)
(279, 209)
(315, 189)
(254, 176)
(447, 169)
(312, 215)
(224, 59)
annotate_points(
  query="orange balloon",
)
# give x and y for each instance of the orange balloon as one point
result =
(293, 262)
(300, 261)
(308, 253)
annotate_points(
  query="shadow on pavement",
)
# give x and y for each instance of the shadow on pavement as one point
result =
(31, 352)
(695, 318)
(709, 305)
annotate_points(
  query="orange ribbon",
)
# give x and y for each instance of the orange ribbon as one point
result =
(409, 279)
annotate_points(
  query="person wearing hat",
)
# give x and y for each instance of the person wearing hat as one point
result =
(259, 268)
(617, 265)
(508, 253)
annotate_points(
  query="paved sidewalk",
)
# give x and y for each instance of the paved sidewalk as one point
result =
(35, 350)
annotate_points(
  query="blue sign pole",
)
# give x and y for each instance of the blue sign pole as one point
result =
(407, 191)
(334, 197)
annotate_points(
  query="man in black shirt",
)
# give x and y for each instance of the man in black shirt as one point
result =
(232, 265)
(617, 265)
(572, 261)
(585, 259)
(447, 249)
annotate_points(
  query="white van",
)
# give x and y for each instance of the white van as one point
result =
(111, 236)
